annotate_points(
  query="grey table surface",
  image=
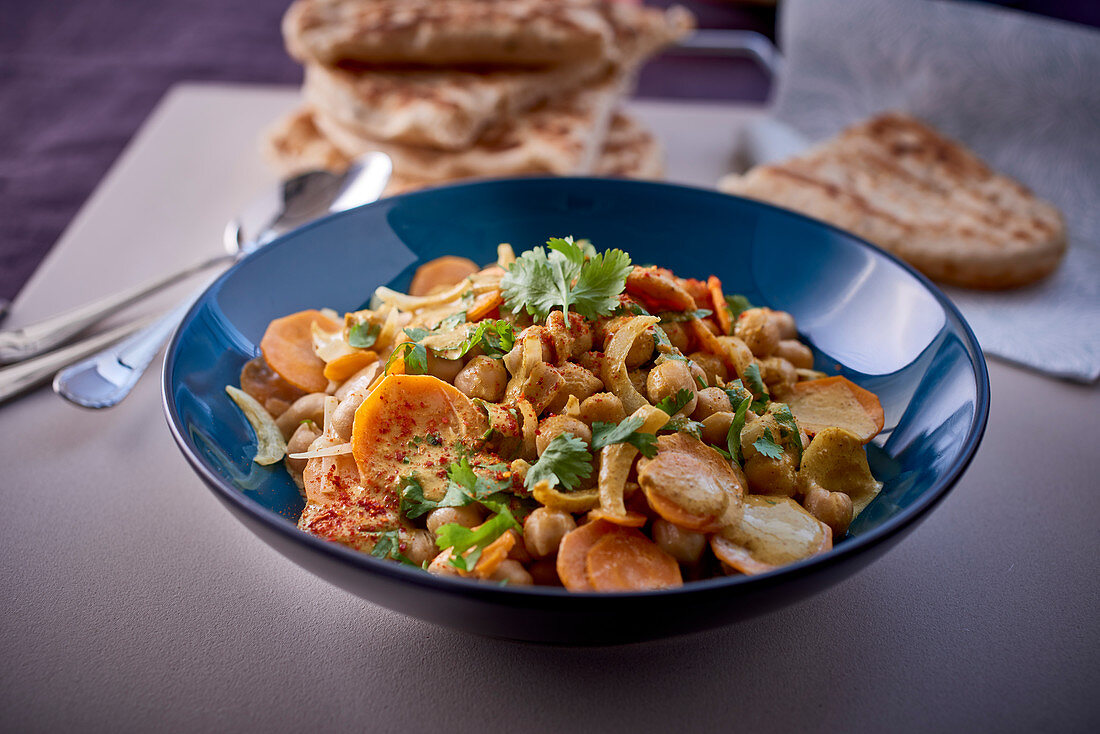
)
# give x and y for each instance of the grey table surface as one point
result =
(133, 601)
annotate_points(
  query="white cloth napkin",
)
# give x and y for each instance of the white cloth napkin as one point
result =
(1022, 91)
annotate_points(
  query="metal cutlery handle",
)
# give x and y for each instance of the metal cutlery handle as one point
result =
(29, 341)
(106, 377)
(21, 377)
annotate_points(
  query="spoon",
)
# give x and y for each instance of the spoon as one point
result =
(298, 200)
(107, 376)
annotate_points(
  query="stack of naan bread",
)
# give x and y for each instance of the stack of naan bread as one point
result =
(454, 89)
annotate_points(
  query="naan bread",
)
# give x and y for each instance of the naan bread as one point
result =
(435, 108)
(900, 184)
(563, 137)
(295, 145)
(442, 32)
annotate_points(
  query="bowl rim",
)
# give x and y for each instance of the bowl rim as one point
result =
(852, 547)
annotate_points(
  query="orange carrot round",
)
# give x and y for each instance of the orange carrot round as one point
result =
(288, 348)
(573, 551)
(629, 561)
(442, 271)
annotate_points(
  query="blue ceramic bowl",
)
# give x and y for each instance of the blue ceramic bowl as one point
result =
(866, 315)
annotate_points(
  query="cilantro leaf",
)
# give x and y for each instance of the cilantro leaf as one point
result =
(452, 322)
(755, 384)
(414, 355)
(566, 277)
(605, 434)
(414, 503)
(388, 545)
(564, 461)
(496, 338)
(683, 424)
(673, 404)
(788, 427)
(600, 282)
(461, 539)
(363, 335)
(738, 304)
(767, 445)
(733, 437)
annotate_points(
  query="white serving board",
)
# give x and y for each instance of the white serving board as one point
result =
(132, 601)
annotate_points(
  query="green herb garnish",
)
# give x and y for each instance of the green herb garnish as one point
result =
(605, 434)
(768, 446)
(566, 278)
(738, 304)
(733, 437)
(495, 337)
(564, 461)
(363, 335)
(461, 539)
(673, 404)
(388, 546)
(788, 427)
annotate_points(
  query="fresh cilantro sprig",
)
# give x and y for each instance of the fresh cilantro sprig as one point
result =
(606, 434)
(388, 545)
(461, 539)
(768, 446)
(414, 354)
(737, 304)
(565, 461)
(755, 384)
(673, 404)
(733, 437)
(495, 337)
(788, 427)
(463, 487)
(363, 335)
(567, 277)
(683, 424)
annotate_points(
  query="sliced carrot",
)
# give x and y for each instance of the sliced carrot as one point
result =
(836, 402)
(493, 555)
(441, 272)
(485, 304)
(288, 348)
(347, 365)
(718, 303)
(697, 289)
(626, 520)
(573, 551)
(629, 561)
(415, 417)
(263, 383)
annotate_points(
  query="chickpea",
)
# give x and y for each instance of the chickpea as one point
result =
(683, 545)
(468, 516)
(513, 573)
(716, 428)
(642, 348)
(593, 362)
(603, 406)
(550, 427)
(420, 546)
(308, 407)
(712, 365)
(570, 340)
(778, 374)
(771, 476)
(667, 379)
(445, 369)
(441, 565)
(519, 550)
(543, 530)
(698, 375)
(710, 401)
(576, 381)
(544, 572)
(832, 508)
(756, 328)
(483, 377)
(343, 418)
(784, 323)
(678, 335)
(360, 380)
(795, 352)
(306, 434)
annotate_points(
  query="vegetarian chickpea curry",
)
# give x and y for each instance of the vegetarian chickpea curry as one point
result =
(562, 418)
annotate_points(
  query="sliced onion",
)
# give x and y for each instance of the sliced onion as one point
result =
(614, 371)
(337, 450)
(270, 444)
(617, 459)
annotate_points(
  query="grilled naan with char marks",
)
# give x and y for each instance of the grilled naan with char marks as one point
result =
(897, 182)
(442, 32)
(562, 138)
